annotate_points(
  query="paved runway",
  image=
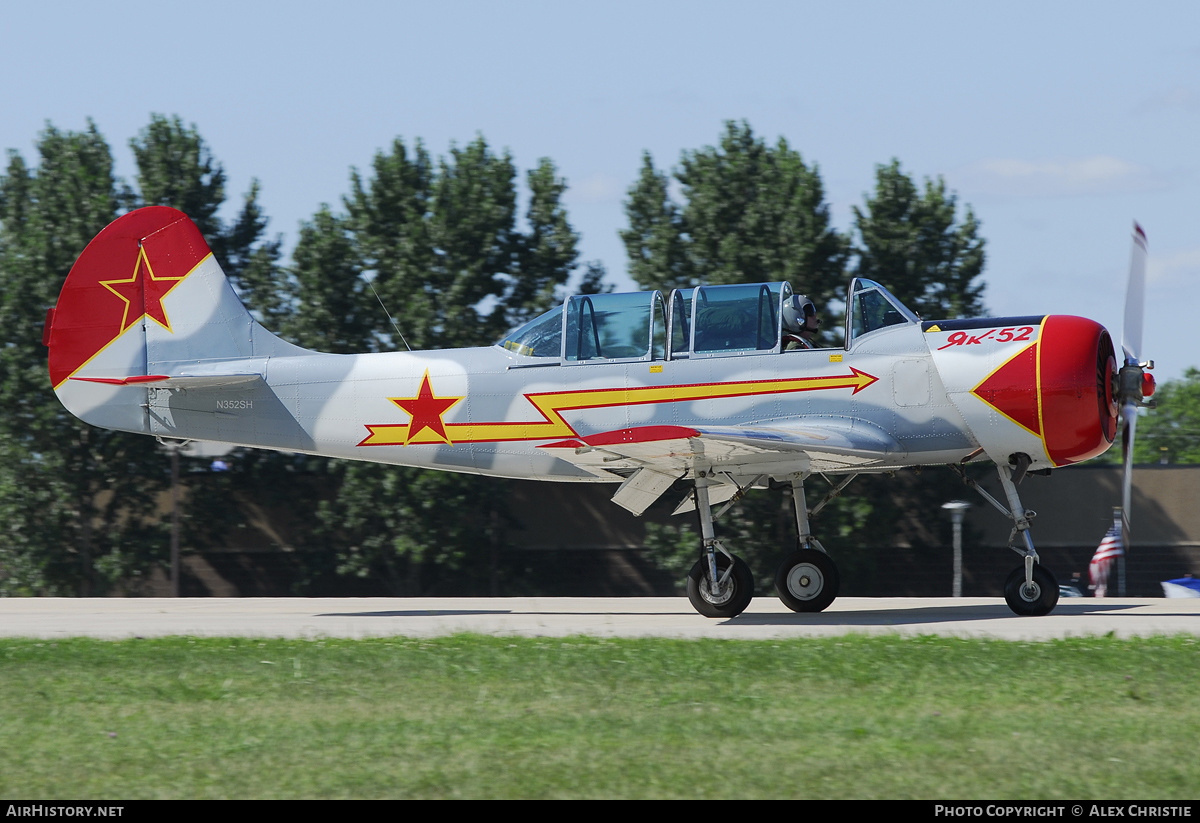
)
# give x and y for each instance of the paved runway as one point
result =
(600, 617)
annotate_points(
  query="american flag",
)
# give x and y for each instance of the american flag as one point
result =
(1109, 550)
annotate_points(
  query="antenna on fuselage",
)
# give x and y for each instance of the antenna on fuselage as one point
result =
(389, 315)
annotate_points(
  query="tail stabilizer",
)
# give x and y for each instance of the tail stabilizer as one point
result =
(146, 302)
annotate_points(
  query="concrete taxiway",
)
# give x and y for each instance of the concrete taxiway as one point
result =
(767, 618)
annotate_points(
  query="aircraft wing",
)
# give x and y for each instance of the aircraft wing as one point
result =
(651, 458)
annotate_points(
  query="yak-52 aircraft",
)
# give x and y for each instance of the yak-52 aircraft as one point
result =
(639, 390)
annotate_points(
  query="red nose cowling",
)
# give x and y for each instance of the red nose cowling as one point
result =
(1076, 368)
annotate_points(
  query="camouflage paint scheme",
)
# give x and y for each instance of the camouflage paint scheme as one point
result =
(149, 337)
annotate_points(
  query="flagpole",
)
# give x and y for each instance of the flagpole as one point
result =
(1125, 541)
(1111, 548)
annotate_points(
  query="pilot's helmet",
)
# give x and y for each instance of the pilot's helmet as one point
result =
(795, 309)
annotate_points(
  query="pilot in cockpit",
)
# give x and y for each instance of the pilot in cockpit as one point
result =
(800, 323)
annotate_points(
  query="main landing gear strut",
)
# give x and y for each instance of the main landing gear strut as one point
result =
(807, 580)
(720, 584)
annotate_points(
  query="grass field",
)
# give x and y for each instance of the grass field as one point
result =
(476, 717)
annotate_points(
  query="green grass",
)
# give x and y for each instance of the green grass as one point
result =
(473, 717)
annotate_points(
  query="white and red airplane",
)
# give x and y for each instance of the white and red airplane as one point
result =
(639, 390)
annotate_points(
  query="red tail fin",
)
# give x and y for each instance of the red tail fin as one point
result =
(121, 278)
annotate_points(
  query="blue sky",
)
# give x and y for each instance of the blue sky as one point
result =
(1058, 122)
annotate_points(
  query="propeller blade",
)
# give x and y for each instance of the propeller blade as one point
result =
(1135, 294)
(1134, 383)
(1129, 415)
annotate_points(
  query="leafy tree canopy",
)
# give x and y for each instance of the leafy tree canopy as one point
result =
(750, 213)
(908, 240)
(1170, 433)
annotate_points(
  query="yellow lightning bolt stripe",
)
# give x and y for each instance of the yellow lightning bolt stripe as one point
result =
(551, 405)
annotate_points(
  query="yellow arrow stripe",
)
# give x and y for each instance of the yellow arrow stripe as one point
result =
(551, 405)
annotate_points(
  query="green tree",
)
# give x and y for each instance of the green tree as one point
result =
(84, 498)
(337, 311)
(388, 221)
(1170, 432)
(546, 253)
(473, 228)
(654, 242)
(417, 532)
(909, 241)
(751, 213)
(439, 242)
(84, 502)
(176, 167)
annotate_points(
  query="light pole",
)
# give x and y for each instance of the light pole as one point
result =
(958, 510)
(173, 447)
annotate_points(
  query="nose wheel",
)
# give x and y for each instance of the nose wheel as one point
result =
(1033, 598)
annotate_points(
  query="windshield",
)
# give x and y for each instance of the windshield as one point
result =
(540, 337)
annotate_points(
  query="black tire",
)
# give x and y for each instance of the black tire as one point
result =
(735, 597)
(807, 581)
(1034, 601)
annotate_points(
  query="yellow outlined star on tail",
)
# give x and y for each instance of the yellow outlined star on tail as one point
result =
(426, 411)
(145, 295)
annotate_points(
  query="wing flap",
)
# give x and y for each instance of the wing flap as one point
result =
(641, 489)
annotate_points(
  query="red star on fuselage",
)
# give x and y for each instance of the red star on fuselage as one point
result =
(143, 293)
(426, 411)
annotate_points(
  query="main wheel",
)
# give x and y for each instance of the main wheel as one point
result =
(807, 581)
(1033, 600)
(736, 592)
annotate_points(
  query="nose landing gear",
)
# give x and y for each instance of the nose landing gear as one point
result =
(1031, 590)
(1033, 597)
